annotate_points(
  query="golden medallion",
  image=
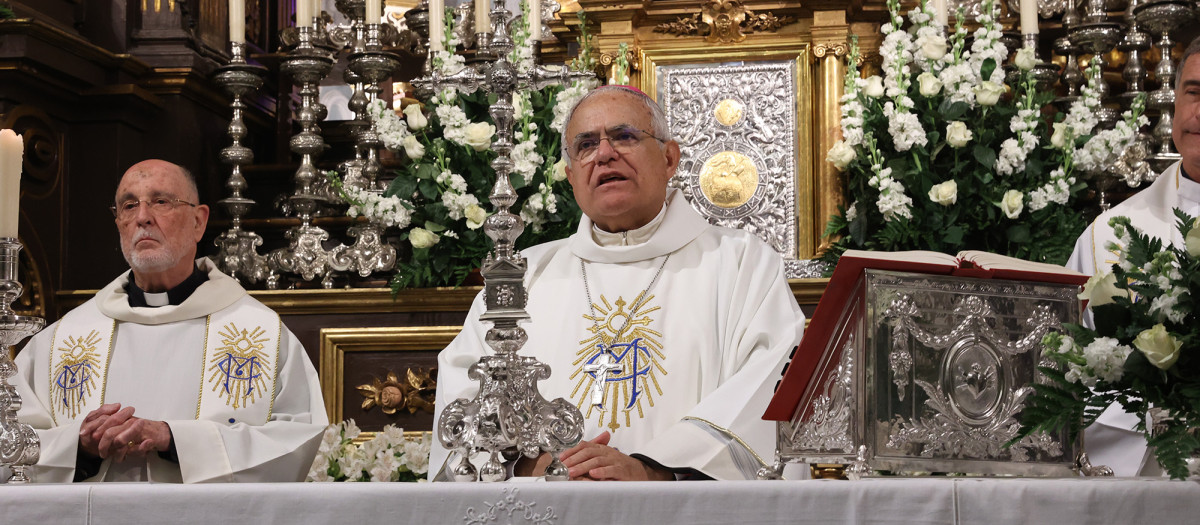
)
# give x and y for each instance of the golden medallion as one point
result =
(729, 179)
(728, 112)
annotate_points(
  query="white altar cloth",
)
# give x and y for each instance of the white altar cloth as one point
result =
(872, 501)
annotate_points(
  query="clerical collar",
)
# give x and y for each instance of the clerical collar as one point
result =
(630, 237)
(175, 296)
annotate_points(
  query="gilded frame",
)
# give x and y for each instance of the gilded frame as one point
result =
(337, 343)
(807, 223)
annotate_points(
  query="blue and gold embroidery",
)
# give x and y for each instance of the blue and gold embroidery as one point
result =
(239, 374)
(625, 364)
(76, 372)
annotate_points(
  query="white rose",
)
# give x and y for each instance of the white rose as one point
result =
(1012, 203)
(1025, 59)
(933, 47)
(416, 119)
(475, 216)
(957, 134)
(559, 172)
(945, 193)
(874, 87)
(422, 238)
(1101, 289)
(929, 84)
(1160, 347)
(988, 93)
(1193, 239)
(841, 155)
(413, 147)
(478, 135)
(1059, 138)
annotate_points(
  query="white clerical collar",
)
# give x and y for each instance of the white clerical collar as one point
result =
(1189, 189)
(156, 299)
(218, 292)
(630, 237)
(680, 225)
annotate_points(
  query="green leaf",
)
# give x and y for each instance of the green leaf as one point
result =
(402, 187)
(429, 189)
(986, 69)
(985, 156)
(434, 227)
(426, 170)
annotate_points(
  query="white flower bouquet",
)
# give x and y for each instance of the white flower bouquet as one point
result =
(1144, 352)
(438, 199)
(389, 456)
(942, 153)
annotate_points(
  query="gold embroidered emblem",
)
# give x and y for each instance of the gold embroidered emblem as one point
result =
(76, 373)
(239, 372)
(624, 366)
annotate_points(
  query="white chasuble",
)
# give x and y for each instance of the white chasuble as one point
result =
(237, 390)
(1112, 440)
(679, 371)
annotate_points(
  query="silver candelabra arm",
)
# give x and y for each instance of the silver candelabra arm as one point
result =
(20, 446)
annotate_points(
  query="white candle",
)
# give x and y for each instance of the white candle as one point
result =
(940, 15)
(304, 13)
(437, 29)
(11, 150)
(373, 11)
(237, 20)
(483, 16)
(1029, 17)
(535, 19)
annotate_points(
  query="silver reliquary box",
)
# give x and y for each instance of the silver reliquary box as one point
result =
(925, 373)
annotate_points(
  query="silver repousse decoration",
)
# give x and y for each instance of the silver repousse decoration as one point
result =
(929, 373)
(735, 126)
(369, 254)
(508, 415)
(20, 446)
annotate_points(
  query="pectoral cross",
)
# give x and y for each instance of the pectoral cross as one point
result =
(600, 369)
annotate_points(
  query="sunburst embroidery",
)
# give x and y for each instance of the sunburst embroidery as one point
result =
(238, 368)
(76, 373)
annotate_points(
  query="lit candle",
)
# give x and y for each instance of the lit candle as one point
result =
(1029, 17)
(483, 17)
(11, 149)
(373, 11)
(237, 20)
(535, 19)
(437, 29)
(940, 15)
(304, 13)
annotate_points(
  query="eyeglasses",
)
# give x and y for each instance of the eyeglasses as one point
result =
(622, 139)
(158, 206)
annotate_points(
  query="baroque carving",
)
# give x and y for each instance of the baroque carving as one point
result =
(837, 49)
(415, 393)
(828, 429)
(724, 22)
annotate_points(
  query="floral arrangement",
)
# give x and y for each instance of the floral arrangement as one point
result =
(936, 157)
(1144, 352)
(438, 199)
(389, 456)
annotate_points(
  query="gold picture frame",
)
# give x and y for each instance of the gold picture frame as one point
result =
(344, 350)
(792, 48)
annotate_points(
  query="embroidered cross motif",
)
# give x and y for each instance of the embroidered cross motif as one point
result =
(599, 367)
(237, 368)
(623, 365)
(77, 371)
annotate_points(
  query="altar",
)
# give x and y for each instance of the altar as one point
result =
(918, 501)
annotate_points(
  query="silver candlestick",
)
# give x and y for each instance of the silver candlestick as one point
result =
(238, 256)
(20, 446)
(508, 415)
(1044, 73)
(1162, 17)
(1134, 43)
(372, 65)
(305, 255)
(1097, 35)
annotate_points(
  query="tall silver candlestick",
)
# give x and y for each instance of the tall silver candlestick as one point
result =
(20, 446)
(508, 415)
(1162, 17)
(238, 256)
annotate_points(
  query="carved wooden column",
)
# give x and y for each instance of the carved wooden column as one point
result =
(616, 25)
(829, 33)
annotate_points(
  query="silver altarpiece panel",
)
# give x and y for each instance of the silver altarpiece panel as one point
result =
(736, 126)
(929, 373)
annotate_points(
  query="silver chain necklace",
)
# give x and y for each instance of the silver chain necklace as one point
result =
(603, 364)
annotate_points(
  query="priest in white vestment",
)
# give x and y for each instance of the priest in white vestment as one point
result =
(172, 372)
(667, 332)
(1111, 440)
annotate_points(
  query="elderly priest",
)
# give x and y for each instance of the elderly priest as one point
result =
(172, 372)
(668, 333)
(1112, 440)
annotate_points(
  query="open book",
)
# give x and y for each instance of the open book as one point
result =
(844, 283)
